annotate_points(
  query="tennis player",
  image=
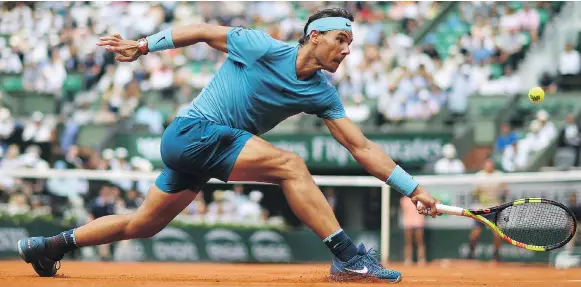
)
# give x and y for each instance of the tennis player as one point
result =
(262, 82)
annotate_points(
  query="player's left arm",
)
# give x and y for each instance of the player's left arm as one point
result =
(367, 153)
(370, 156)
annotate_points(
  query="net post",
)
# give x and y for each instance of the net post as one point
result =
(385, 223)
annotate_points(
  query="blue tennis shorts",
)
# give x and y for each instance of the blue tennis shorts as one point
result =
(194, 150)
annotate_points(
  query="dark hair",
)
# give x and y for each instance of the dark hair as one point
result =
(324, 13)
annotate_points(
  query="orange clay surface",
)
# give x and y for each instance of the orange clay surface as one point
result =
(448, 274)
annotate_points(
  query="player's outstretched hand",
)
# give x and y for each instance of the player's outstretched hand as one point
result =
(126, 49)
(428, 205)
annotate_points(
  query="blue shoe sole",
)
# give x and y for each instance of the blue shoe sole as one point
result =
(361, 278)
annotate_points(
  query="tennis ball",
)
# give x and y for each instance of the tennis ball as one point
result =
(536, 95)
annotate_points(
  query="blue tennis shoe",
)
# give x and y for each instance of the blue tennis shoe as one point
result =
(363, 267)
(33, 250)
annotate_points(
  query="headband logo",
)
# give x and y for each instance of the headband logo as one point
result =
(328, 24)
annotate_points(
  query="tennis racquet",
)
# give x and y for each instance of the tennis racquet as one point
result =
(536, 224)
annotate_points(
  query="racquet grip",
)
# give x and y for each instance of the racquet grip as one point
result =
(445, 209)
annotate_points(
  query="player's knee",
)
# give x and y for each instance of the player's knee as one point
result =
(294, 166)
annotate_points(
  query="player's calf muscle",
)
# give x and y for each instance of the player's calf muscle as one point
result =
(114, 228)
(102, 230)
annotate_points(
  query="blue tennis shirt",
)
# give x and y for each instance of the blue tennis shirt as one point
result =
(257, 86)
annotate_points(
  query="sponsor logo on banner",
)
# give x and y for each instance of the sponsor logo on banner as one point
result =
(269, 246)
(174, 244)
(324, 151)
(327, 149)
(225, 245)
(9, 236)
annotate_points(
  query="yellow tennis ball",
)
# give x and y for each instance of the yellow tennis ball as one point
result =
(536, 95)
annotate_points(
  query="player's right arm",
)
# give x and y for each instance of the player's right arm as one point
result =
(244, 46)
(182, 36)
(213, 35)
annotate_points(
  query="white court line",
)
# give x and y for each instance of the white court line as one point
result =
(573, 280)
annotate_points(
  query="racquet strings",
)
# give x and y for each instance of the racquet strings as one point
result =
(540, 224)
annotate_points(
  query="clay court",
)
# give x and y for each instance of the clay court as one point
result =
(16, 273)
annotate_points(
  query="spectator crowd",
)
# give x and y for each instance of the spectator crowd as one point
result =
(386, 79)
(47, 42)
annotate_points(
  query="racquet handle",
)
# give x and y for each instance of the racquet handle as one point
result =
(445, 209)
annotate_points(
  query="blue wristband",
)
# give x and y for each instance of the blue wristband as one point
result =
(160, 41)
(402, 181)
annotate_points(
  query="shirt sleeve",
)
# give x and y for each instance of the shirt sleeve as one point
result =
(245, 46)
(333, 110)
